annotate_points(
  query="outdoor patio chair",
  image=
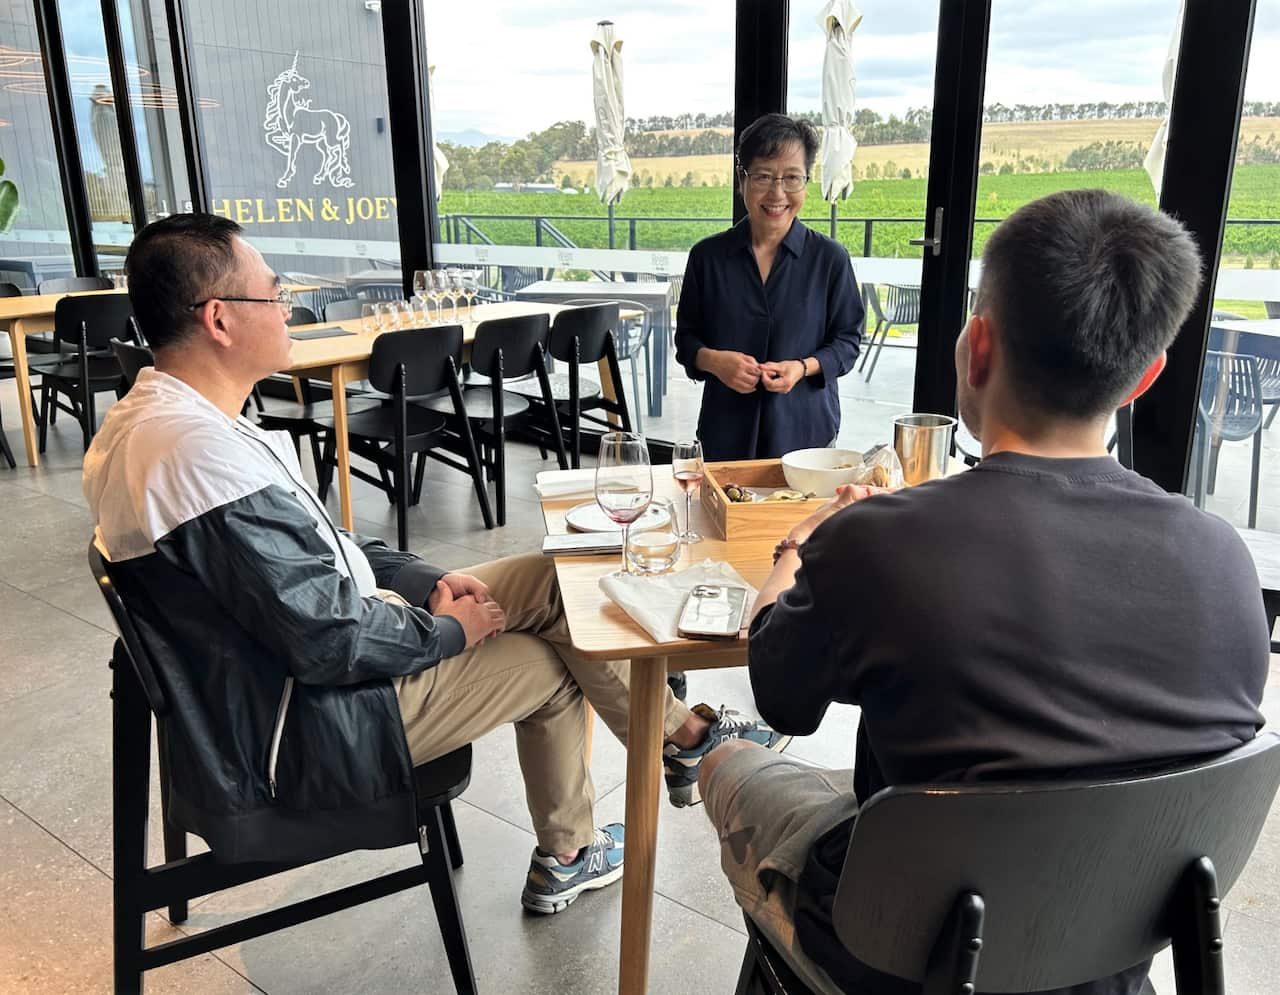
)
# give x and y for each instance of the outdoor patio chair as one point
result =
(75, 284)
(138, 696)
(347, 309)
(901, 307)
(581, 335)
(1045, 884)
(412, 365)
(1229, 410)
(505, 348)
(379, 292)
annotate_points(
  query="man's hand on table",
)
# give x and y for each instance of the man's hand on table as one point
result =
(479, 615)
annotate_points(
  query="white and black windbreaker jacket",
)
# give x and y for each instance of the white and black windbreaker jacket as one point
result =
(284, 739)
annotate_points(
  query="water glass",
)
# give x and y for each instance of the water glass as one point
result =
(119, 281)
(655, 550)
(401, 314)
(369, 318)
(382, 309)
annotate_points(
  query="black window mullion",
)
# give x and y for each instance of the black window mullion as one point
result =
(188, 109)
(124, 113)
(760, 69)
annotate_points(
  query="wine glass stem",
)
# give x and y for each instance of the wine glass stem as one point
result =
(688, 512)
(626, 527)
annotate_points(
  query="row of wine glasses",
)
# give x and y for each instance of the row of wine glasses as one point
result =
(624, 482)
(438, 285)
(389, 316)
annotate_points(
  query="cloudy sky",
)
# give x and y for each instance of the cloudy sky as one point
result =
(511, 66)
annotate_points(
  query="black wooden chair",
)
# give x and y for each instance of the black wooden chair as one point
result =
(299, 315)
(86, 325)
(138, 694)
(580, 335)
(133, 358)
(409, 365)
(1037, 885)
(505, 348)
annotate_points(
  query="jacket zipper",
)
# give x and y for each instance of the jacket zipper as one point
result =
(277, 734)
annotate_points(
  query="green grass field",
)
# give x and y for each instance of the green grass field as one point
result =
(1255, 194)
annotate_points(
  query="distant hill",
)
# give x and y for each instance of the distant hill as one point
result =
(472, 138)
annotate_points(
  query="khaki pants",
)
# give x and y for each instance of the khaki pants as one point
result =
(529, 676)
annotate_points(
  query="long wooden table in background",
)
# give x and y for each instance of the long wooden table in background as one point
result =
(602, 631)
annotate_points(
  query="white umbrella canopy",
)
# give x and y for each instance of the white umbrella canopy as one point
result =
(613, 165)
(439, 161)
(1154, 162)
(838, 20)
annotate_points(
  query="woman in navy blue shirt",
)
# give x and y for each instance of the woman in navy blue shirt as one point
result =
(770, 315)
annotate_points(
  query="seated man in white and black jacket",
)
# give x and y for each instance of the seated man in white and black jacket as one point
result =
(310, 669)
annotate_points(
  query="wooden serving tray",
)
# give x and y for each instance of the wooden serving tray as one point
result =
(759, 519)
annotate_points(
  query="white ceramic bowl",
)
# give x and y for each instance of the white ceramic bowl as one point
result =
(819, 471)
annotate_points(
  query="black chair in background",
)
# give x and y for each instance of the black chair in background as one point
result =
(631, 337)
(901, 307)
(347, 309)
(580, 335)
(379, 292)
(299, 315)
(8, 371)
(1230, 410)
(5, 451)
(505, 348)
(139, 693)
(86, 325)
(1047, 884)
(409, 365)
(133, 358)
(75, 284)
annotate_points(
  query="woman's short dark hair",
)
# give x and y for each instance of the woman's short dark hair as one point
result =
(172, 264)
(768, 136)
(1087, 288)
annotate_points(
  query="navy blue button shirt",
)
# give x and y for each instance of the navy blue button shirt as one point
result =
(809, 306)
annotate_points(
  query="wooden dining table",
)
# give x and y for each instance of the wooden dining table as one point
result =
(344, 359)
(30, 313)
(601, 630)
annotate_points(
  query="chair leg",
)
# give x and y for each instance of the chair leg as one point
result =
(445, 899)
(130, 787)
(88, 413)
(419, 476)
(477, 468)
(748, 980)
(500, 470)
(1272, 416)
(1253, 478)
(878, 349)
(871, 341)
(324, 471)
(400, 486)
(640, 401)
(1215, 448)
(451, 835)
(8, 453)
(43, 417)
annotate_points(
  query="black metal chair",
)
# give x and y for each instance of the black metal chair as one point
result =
(581, 335)
(43, 343)
(505, 347)
(299, 315)
(133, 358)
(86, 325)
(1229, 410)
(74, 284)
(409, 365)
(901, 307)
(1046, 884)
(379, 292)
(138, 694)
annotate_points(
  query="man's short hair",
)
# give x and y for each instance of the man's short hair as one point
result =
(768, 136)
(174, 263)
(1087, 289)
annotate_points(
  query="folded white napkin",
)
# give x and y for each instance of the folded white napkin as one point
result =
(566, 483)
(655, 602)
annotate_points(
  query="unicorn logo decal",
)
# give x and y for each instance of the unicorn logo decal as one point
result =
(291, 123)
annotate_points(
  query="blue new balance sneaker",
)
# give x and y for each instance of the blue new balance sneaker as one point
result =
(552, 886)
(682, 766)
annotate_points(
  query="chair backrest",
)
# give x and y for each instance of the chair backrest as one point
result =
(518, 277)
(423, 352)
(107, 317)
(1077, 877)
(75, 284)
(519, 340)
(10, 290)
(138, 655)
(631, 335)
(1231, 387)
(132, 358)
(380, 292)
(343, 310)
(902, 304)
(589, 325)
(299, 315)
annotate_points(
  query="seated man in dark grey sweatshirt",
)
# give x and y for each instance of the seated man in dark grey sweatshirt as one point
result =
(1047, 612)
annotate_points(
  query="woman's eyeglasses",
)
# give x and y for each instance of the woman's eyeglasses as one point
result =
(791, 182)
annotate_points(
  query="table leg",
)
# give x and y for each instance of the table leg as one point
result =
(18, 339)
(341, 445)
(644, 752)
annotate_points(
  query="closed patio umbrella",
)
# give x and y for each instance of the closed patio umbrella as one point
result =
(1154, 162)
(439, 161)
(838, 20)
(613, 166)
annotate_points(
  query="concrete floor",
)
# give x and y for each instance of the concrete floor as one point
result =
(55, 777)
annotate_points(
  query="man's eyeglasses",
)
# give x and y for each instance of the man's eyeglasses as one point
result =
(791, 182)
(284, 299)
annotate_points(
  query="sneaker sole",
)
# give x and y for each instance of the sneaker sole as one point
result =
(678, 798)
(549, 905)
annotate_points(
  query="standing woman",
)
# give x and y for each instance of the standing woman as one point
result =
(770, 315)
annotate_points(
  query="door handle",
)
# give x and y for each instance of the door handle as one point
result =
(933, 241)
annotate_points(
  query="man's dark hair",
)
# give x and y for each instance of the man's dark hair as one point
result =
(172, 264)
(1087, 289)
(768, 136)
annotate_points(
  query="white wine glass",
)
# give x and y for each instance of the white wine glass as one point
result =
(624, 482)
(688, 471)
(453, 289)
(421, 284)
(437, 284)
(470, 287)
